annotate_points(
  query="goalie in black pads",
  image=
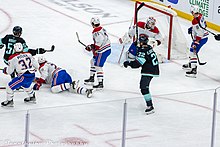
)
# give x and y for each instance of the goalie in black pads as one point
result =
(146, 59)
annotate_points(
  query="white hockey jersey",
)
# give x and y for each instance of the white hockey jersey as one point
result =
(151, 33)
(101, 40)
(197, 32)
(22, 62)
(47, 71)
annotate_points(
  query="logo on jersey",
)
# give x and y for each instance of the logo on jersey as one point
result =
(173, 1)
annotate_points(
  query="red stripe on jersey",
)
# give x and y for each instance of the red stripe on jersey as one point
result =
(97, 29)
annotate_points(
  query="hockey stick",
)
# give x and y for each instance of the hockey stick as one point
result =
(79, 40)
(200, 63)
(51, 49)
(1, 87)
(136, 18)
(217, 36)
(123, 43)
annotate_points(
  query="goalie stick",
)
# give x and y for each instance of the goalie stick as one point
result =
(79, 40)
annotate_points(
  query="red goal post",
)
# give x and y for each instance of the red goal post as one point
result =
(171, 39)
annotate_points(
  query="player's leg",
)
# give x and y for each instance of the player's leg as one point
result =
(99, 63)
(91, 79)
(144, 86)
(12, 85)
(26, 84)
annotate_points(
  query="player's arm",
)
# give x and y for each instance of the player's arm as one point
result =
(41, 80)
(36, 51)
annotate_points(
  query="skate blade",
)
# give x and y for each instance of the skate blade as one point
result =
(9, 106)
(191, 76)
(98, 89)
(150, 112)
(88, 83)
(31, 102)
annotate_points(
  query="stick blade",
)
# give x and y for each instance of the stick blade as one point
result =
(217, 37)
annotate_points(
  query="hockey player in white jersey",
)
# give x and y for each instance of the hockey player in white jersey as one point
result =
(147, 28)
(58, 78)
(101, 49)
(200, 38)
(25, 66)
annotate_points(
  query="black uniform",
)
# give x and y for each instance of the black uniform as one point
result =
(146, 59)
(9, 41)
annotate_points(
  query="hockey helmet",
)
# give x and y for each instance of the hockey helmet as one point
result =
(17, 30)
(95, 21)
(143, 39)
(194, 9)
(150, 23)
(18, 47)
(41, 59)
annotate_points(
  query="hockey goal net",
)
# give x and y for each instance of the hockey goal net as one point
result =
(174, 44)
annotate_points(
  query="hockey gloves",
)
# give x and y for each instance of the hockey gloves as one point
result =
(90, 47)
(41, 50)
(126, 64)
(1, 46)
(190, 30)
(38, 84)
(5, 70)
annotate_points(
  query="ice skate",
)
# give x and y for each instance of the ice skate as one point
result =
(74, 84)
(149, 110)
(89, 81)
(192, 73)
(89, 93)
(8, 103)
(99, 86)
(30, 99)
(186, 66)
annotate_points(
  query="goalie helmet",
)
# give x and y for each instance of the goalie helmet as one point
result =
(95, 21)
(194, 9)
(41, 59)
(143, 39)
(18, 47)
(17, 30)
(150, 23)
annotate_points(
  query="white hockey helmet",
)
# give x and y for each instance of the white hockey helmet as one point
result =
(41, 59)
(194, 9)
(18, 47)
(95, 21)
(150, 23)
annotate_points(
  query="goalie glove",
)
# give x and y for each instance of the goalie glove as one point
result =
(125, 39)
(90, 47)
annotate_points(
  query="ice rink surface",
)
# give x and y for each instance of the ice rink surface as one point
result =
(183, 106)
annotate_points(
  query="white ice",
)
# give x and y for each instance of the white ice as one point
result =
(183, 106)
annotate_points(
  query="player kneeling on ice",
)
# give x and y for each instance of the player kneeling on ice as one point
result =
(59, 79)
(146, 59)
(25, 66)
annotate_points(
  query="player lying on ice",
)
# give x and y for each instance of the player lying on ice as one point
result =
(58, 78)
